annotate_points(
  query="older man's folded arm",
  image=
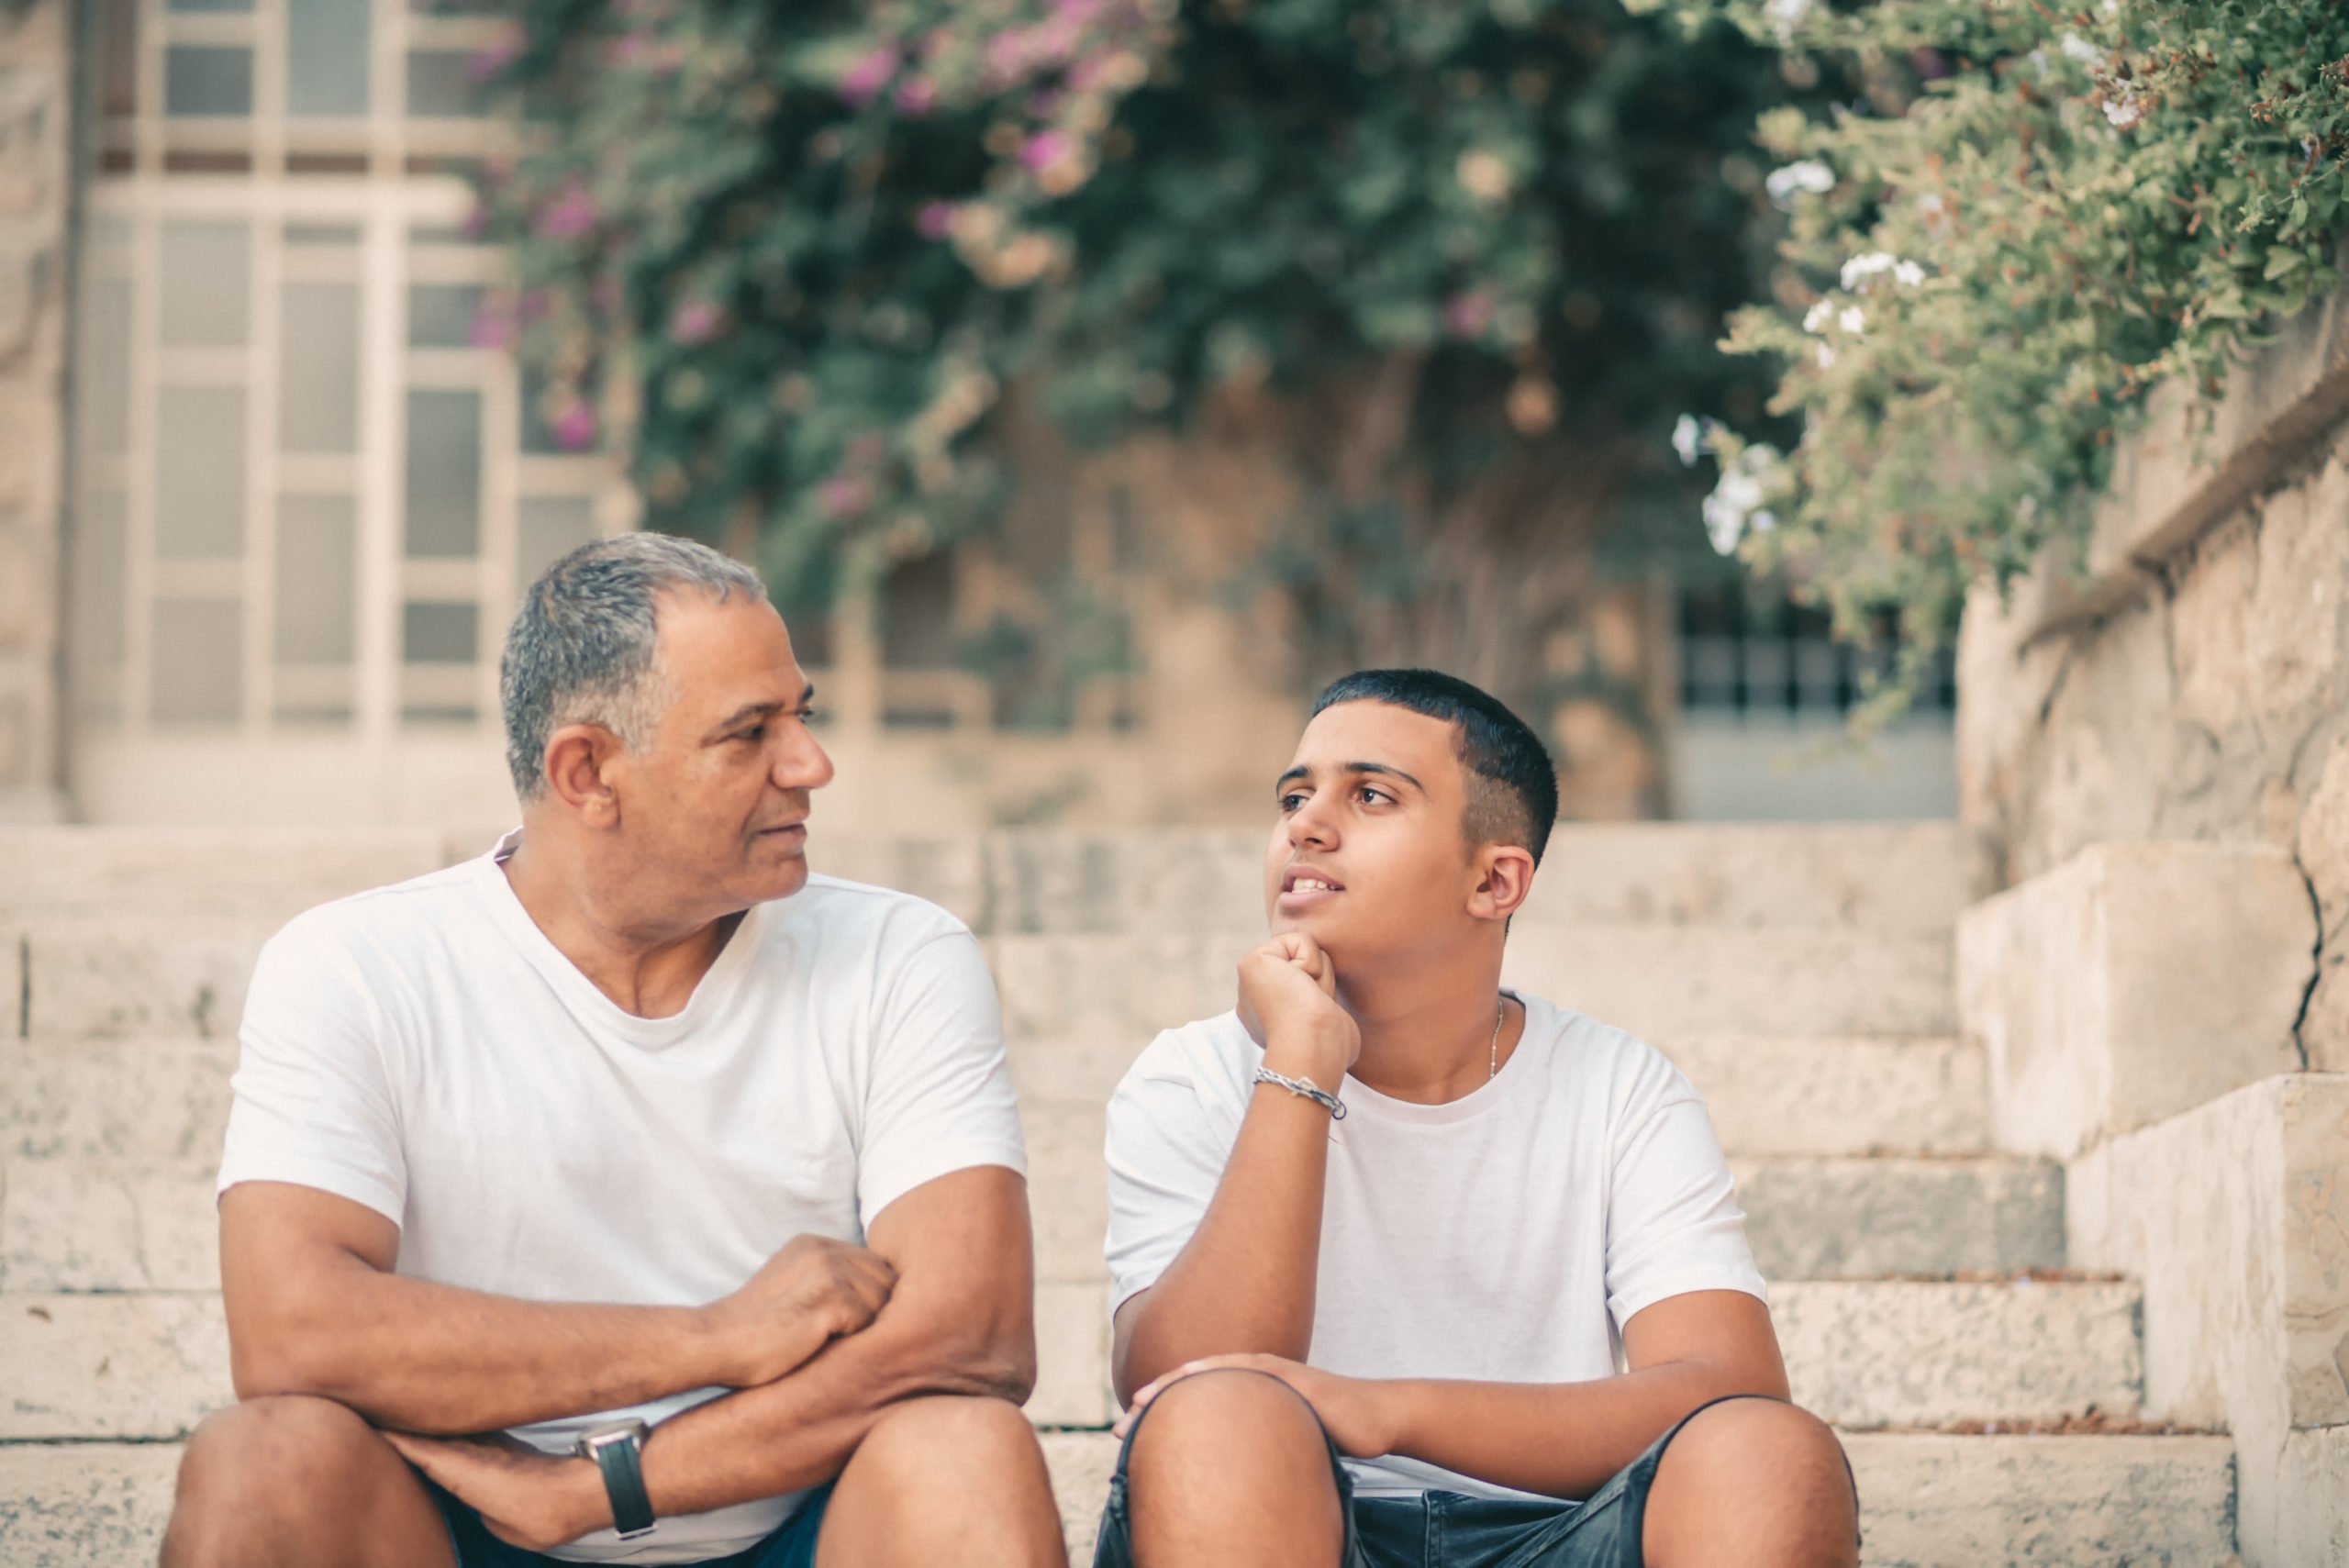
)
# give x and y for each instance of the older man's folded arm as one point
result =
(960, 1322)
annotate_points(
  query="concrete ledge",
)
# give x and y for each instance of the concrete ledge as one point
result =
(1879, 1353)
(108, 1224)
(2133, 983)
(110, 1366)
(85, 1505)
(1792, 1095)
(1862, 1219)
(143, 1100)
(93, 978)
(2232, 1217)
(271, 875)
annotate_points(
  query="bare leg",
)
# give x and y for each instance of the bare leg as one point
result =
(944, 1479)
(1230, 1470)
(300, 1482)
(1753, 1483)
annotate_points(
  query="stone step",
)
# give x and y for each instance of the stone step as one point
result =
(1806, 1217)
(1927, 1500)
(1768, 1095)
(267, 874)
(1861, 1353)
(1659, 982)
(144, 1100)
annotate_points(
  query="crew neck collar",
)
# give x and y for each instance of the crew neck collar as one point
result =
(1361, 1098)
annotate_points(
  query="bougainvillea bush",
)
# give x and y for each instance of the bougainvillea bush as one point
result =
(1472, 259)
(2035, 214)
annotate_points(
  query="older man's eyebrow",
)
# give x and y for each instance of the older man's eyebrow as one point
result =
(751, 710)
(1379, 769)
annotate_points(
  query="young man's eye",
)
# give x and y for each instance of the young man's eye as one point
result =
(1291, 802)
(1368, 792)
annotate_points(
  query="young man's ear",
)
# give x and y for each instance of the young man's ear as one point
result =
(1506, 877)
(578, 757)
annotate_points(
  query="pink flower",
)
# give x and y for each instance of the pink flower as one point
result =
(574, 429)
(490, 62)
(862, 81)
(917, 95)
(1468, 314)
(493, 326)
(1044, 149)
(937, 220)
(1007, 54)
(570, 216)
(844, 497)
(696, 322)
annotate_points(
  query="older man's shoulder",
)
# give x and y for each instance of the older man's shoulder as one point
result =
(838, 904)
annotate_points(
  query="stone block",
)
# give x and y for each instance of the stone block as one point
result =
(2324, 854)
(1933, 1501)
(2231, 1215)
(2136, 981)
(1067, 1067)
(1114, 987)
(1081, 1465)
(950, 873)
(265, 875)
(108, 1224)
(89, 978)
(1911, 1353)
(1175, 881)
(1067, 1187)
(145, 1100)
(1781, 1094)
(85, 1505)
(111, 1366)
(1912, 877)
(1663, 983)
(1072, 1357)
(2313, 1499)
(1860, 1219)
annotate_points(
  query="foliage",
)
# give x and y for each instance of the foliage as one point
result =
(2037, 213)
(1474, 257)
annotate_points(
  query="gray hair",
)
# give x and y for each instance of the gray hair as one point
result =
(582, 648)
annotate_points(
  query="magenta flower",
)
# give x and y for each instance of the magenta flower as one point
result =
(493, 326)
(696, 322)
(917, 95)
(936, 221)
(1044, 149)
(570, 216)
(862, 81)
(1007, 54)
(574, 429)
(1467, 315)
(844, 497)
(490, 62)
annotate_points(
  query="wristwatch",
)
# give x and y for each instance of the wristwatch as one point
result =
(616, 1448)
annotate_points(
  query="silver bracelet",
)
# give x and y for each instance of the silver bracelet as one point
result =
(1303, 1087)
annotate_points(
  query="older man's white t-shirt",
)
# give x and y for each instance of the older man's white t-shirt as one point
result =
(1507, 1235)
(424, 1049)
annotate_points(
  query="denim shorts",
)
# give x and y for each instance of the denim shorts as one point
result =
(1448, 1529)
(792, 1546)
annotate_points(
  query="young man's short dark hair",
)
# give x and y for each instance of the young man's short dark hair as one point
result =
(1512, 786)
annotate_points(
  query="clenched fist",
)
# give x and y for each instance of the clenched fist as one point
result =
(1288, 1003)
(814, 1291)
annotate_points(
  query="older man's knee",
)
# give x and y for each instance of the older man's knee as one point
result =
(950, 1441)
(256, 1469)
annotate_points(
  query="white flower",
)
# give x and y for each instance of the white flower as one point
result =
(1785, 16)
(1825, 356)
(1816, 319)
(1687, 439)
(2079, 48)
(1809, 177)
(1931, 204)
(1907, 274)
(1861, 268)
(1762, 522)
(2124, 111)
(1735, 508)
(1852, 319)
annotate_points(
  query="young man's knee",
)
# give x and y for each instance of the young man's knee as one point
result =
(1767, 1441)
(251, 1467)
(1228, 1416)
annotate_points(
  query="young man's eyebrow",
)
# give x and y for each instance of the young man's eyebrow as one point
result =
(1381, 769)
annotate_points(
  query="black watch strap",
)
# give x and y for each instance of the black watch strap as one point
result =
(620, 1457)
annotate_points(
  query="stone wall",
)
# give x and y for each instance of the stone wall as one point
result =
(2189, 678)
(36, 133)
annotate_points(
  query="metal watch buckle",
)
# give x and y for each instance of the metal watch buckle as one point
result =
(590, 1446)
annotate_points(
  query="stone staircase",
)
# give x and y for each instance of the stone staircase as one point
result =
(1993, 1398)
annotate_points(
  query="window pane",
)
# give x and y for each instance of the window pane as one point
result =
(550, 527)
(440, 316)
(441, 82)
(198, 674)
(326, 57)
(207, 267)
(99, 578)
(105, 396)
(317, 563)
(199, 471)
(434, 633)
(200, 81)
(318, 360)
(216, 5)
(443, 472)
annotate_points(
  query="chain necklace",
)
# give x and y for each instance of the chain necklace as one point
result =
(1501, 1016)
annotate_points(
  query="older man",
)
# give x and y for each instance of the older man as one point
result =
(628, 1194)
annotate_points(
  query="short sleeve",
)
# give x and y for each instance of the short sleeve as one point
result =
(313, 1104)
(1167, 1149)
(1673, 1223)
(939, 1095)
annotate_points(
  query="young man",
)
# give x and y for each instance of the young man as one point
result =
(1413, 1271)
(693, 1178)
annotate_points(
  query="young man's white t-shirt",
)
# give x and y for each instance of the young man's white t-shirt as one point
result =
(424, 1049)
(1504, 1236)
